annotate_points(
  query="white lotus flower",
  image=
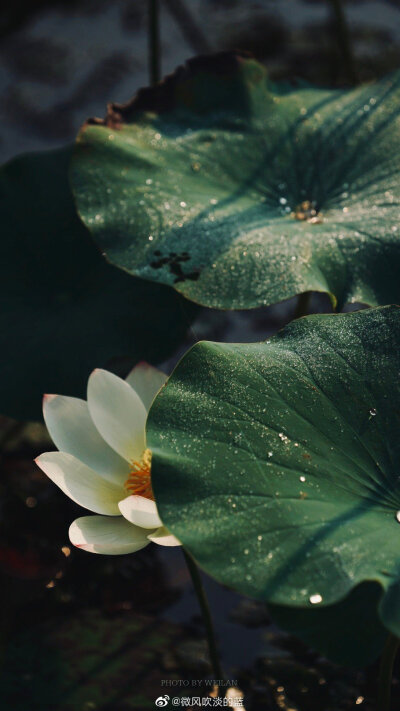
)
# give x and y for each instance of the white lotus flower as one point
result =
(103, 463)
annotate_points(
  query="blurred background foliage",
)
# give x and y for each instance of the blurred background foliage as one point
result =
(83, 632)
(62, 60)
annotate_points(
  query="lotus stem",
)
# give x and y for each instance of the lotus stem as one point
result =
(154, 42)
(206, 615)
(385, 673)
(344, 40)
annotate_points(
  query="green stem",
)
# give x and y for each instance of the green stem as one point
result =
(303, 304)
(385, 673)
(154, 42)
(205, 611)
(344, 39)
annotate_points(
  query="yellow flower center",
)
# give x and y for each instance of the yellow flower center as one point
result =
(138, 482)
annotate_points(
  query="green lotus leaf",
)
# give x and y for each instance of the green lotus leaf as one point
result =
(277, 463)
(241, 192)
(63, 309)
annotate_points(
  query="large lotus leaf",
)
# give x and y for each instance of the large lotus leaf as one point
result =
(277, 463)
(63, 309)
(241, 192)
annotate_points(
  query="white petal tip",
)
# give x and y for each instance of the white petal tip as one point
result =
(100, 534)
(48, 397)
(118, 413)
(163, 538)
(140, 511)
(146, 380)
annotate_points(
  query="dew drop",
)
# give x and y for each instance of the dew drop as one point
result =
(398, 516)
(315, 599)
(302, 478)
(372, 412)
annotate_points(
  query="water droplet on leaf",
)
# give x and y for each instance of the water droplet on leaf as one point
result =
(315, 599)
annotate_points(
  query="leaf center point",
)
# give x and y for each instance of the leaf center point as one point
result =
(307, 211)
